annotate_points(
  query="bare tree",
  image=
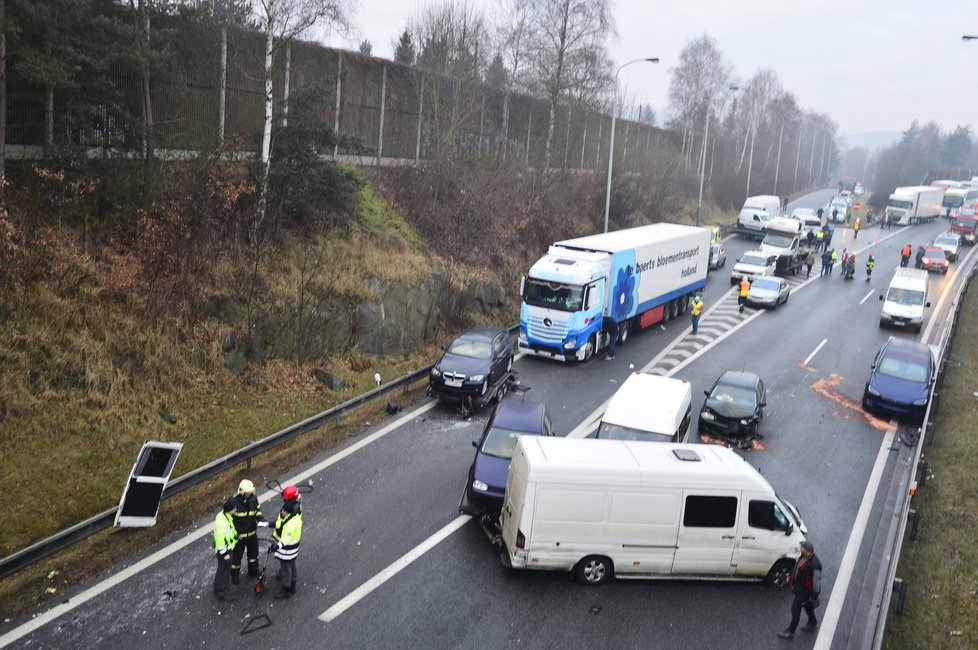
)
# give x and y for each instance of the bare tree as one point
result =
(568, 50)
(3, 100)
(281, 21)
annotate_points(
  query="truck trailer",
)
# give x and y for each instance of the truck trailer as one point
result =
(583, 290)
(914, 204)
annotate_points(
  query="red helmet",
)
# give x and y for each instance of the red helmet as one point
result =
(290, 493)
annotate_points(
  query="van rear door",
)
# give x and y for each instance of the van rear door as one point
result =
(762, 536)
(707, 532)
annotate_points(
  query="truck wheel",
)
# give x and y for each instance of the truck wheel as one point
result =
(684, 304)
(588, 349)
(780, 573)
(623, 332)
(595, 570)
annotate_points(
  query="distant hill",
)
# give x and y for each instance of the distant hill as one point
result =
(871, 139)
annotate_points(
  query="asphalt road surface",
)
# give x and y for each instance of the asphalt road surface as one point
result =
(387, 562)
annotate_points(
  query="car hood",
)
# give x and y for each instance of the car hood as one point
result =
(749, 268)
(763, 294)
(899, 390)
(491, 470)
(729, 409)
(464, 365)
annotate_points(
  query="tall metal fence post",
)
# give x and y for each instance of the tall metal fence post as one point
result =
(417, 146)
(529, 124)
(383, 107)
(339, 94)
(223, 90)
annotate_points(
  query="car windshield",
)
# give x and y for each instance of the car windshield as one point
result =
(967, 224)
(934, 252)
(500, 442)
(761, 283)
(609, 431)
(756, 260)
(905, 369)
(946, 241)
(774, 239)
(896, 203)
(905, 296)
(734, 395)
(554, 295)
(472, 348)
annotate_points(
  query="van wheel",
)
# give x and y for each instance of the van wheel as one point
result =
(623, 331)
(780, 573)
(594, 570)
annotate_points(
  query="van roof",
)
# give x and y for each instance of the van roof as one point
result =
(632, 462)
(907, 278)
(649, 403)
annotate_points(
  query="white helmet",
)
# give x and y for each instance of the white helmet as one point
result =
(246, 486)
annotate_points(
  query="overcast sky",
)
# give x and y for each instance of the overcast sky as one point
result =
(871, 65)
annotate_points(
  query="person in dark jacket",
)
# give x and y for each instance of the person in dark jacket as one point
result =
(921, 253)
(806, 585)
(247, 519)
(826, 263)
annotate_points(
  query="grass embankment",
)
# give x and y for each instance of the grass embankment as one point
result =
(84, 381)
(940, 569)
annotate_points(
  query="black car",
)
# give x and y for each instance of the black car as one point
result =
(475, 368)
(734, 406)
(512, 418)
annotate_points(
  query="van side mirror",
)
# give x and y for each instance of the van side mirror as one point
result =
(790, 529)
(762, 404)
(926, 304)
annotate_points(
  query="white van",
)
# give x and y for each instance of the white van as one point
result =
(905, 299)
(604, 508)
(648, 407)
(757, 211)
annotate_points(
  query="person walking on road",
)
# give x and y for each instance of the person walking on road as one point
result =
(832, 261)
(870, 263)
(247, 519)
(288, 532)
(921, 253)
(806, 585)
(810, 262)
(695, 311)
(855, 229)
(905, 255)
(225, 539)
(744, 290)
(612, 327)
(826, 263)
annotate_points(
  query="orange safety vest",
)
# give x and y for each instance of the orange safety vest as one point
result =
(905, 251)
(744, 288)
(697, 308)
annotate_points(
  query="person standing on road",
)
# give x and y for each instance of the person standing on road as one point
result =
(820, 239)
(247, 519)
(855, 229)
(810, 238)
(905, 255)
(870, 264)
(744, 290)
(612, 329)
(810, 262)
(835, 215)
(695, 311)
(845, 261)
(288, 532)
(225, 539)
(832, 261)
(826, 263)
(806, 585)
(921, 253)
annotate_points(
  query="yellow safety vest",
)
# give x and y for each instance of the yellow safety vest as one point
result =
(744, 288)
(225, 536)
(697, 308)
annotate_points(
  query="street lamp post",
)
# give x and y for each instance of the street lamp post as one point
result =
(750, 161)
(706, 135)
(611, 145)
(777, 167)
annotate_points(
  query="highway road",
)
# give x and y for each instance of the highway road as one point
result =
(387, 562)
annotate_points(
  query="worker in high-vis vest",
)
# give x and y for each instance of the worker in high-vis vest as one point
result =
(744, 290)
(288, 532)
(225, 538)
(695, 311)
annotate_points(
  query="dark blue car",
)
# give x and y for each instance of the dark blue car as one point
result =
(900, 383)
(512, 418)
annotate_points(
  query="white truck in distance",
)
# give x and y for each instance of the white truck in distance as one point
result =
(753, 264)
(635, 278)
(914, 204)
(784, 238)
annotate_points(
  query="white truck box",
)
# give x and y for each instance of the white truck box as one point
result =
(914, 204)
(905, 299)
(604, 508)
(635, 277)
(648, 407)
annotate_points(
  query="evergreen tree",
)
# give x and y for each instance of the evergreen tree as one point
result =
(404, 52)
(496, 74)
(365, 47)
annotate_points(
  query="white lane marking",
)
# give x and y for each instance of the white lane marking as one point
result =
(90, 593)
(826, 630)
(866, 297)
(814, 352)
(393, 569)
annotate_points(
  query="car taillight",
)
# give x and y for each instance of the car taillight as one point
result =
(520, 539)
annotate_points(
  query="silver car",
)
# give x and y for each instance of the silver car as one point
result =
(718, 257)
(768, 292)
(950, 243)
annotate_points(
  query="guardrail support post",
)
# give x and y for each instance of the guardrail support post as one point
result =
(248, 462)
(929, 433)
(914, 516)
(900, 586)
(923, 467)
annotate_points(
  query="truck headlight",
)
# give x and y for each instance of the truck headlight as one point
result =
(523, 338)
(706, 415)
(571, 343)
(479, 486)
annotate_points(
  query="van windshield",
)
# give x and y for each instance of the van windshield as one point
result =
(905, 296)
(609, 431)
(553, 295)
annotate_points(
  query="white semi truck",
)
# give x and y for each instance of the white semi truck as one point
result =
(914, 204)
(635, 278)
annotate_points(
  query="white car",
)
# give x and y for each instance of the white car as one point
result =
(718, 256)
(950, 243)
(753, 264)
(840, 207)
(809, 219)
(768, 292)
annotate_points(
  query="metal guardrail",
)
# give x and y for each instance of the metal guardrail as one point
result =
(39, 550)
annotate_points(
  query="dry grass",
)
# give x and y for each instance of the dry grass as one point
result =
(942, 576)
